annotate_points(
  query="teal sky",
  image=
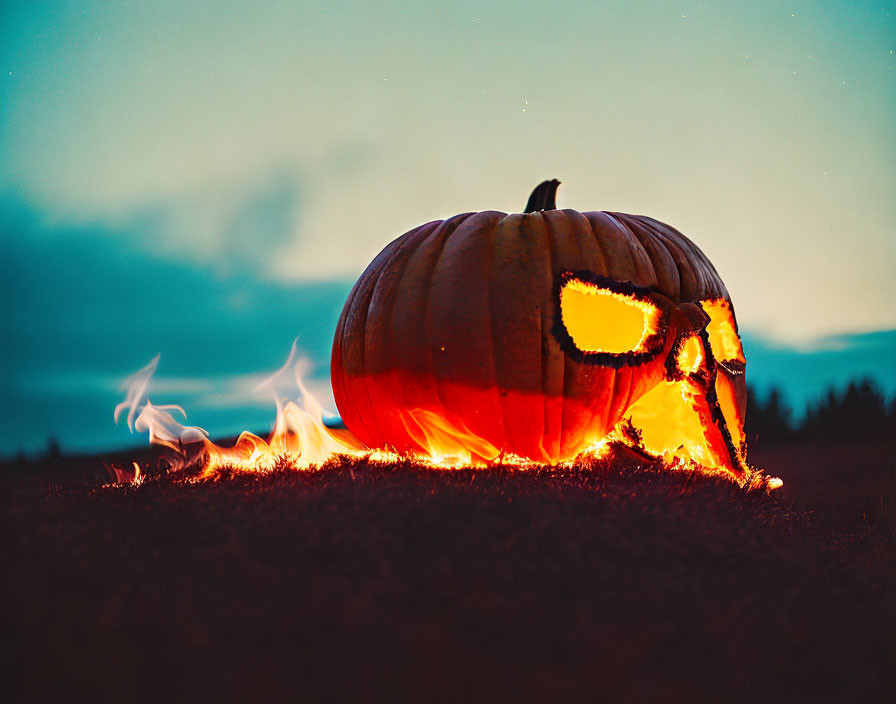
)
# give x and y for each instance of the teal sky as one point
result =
(234, 155)
(317, 132)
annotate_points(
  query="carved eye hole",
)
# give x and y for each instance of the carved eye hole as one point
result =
(723, 337)
(603, 318)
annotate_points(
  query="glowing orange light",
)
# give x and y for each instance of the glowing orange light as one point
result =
(599, 320)
(723, 337)
(691, 356)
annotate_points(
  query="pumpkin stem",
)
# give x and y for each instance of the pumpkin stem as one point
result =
(543, 197)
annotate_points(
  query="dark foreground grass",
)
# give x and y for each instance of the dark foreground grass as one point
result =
(395, 583)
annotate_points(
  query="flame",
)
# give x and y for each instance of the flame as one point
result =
(691, 355)
(299, 433)
(723, 337)
(125, 475)
(301, 440)
(143, 416)
(445, 445)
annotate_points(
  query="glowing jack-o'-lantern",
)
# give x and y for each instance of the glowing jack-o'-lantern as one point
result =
(539, 334)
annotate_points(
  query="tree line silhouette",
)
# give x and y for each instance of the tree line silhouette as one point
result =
(858, 412)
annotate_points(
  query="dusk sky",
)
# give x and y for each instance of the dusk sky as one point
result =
(173, 173)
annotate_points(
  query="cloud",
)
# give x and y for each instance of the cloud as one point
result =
(90, 293)
(235, 228)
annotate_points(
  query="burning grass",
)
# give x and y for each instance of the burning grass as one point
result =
(683, 432)
(384, 581)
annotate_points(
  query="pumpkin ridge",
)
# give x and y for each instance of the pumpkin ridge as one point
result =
(546, 263)
(409, 329)
(493, 374)
(596, 229)
(646, 272)
(464, 332)
(708, 283)
(428, 333)
(565, 226)
(384, 292)
(686, 273)
(565, 410)
(582, 236)
(549, 360)
(516, 430)
(392, 395)
(657, 253)
(502, 398)
(621, 239)
(426, 324)
(609, 245)
(406, 247)
(671, 232)
(705, 275)
(355, 315)
(362, 288)
(356, 400)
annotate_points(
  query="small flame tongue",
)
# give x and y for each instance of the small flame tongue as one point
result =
(157, 421)
(299, 432)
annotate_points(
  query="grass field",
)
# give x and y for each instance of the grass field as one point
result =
(394, 583)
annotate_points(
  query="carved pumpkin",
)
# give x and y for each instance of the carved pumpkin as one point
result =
(538, 334)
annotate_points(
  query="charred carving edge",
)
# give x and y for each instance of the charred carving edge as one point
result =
(653, 344)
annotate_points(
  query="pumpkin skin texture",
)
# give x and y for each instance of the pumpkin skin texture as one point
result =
(454, 339)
